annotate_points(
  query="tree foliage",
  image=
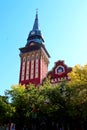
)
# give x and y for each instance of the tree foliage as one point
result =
(6, 110)
(64, 103)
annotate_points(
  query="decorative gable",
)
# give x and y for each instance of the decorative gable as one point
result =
(59, 72)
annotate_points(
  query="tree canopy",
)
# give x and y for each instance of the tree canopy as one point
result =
(64, 103)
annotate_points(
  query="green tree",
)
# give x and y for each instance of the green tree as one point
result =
(6, 111)
(24, 100)
(78, 98)
(64, 103)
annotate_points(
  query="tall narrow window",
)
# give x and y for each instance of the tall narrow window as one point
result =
(41, 68)
(32, 69)
(27, 68)
(23, 68)
(36, 68)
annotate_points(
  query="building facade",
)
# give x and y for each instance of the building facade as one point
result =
(34, 59)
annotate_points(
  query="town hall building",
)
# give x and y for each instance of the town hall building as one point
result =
(34, 60)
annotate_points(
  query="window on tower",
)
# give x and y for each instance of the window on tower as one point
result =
(28, 58)
(27, 67)
(23, 69)
(32, 57)
(27, 70)
(36, 68)
(24, 59)
(37, 56)
(32, 69)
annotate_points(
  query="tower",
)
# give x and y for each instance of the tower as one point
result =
(34, 57)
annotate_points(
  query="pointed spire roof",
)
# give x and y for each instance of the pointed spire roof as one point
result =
(35, 34)
(36, 23)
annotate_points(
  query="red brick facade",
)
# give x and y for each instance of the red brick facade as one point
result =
(35, 60)
(59, 72)
(34, 67)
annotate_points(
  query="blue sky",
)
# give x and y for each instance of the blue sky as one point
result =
(62, 22)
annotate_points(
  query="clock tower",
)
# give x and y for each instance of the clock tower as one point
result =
(34, 57)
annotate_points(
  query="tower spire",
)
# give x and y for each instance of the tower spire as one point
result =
(35, 34)
(36, 23)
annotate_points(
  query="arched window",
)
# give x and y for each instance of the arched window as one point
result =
(59, 70)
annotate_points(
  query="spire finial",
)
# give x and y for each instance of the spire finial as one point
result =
(37, 11)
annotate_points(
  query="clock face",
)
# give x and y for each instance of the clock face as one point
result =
(32, 43)
(33, 32)
(59, 70)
